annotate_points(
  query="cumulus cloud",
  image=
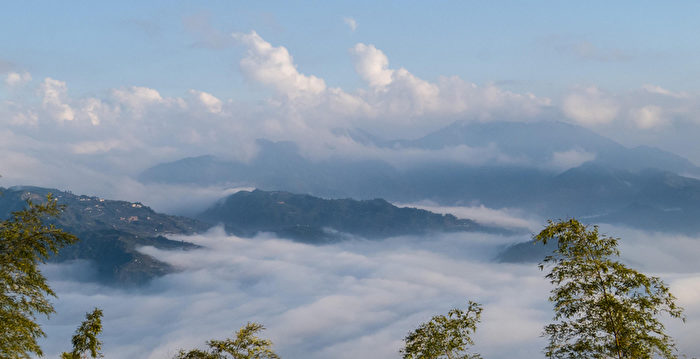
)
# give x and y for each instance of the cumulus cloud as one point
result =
(17, 78)
(80, 143)
(209, 101)
(590, 106)
(396, 98)
(372, 65)
(54, 96)
(274, 66)
(94, 109)
(137, 98)
(351, 23)
(623, 113)
(26, 118)
(398, 93)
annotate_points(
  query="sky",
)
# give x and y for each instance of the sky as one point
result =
(105, 90)
(92, 93)
(173, 46)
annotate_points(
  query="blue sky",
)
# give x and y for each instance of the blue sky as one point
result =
(116, 87)
(544, 47)
(94, 92)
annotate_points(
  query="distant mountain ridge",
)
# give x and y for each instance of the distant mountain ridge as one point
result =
(619, 185)
(538, 141)
(544, 147)
(317, 220)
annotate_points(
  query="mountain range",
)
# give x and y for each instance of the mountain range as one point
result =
(316, 220)
(604, 182)
(111, 232)
(554, 170)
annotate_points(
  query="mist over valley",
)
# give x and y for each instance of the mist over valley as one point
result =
(344, 173)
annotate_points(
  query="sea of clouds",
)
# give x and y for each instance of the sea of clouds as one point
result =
(355, 299)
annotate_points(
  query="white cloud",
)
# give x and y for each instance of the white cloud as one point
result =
(153, 128)
(209, 101)
(347, 300)
(654, 89)
(402, 99)
(137, 97)
(648, 117)
(54, 93)
(93, 109)
(508, 218)
(17, 79)
(396, 99)
(274, 66)
(372, 65)
(350, 300)
(28, 118)
(590, 106)
(351, 23)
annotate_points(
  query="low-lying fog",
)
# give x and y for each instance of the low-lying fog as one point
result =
(355, 299)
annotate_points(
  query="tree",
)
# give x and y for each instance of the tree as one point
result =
(25, 241)
(444, 336)
(245, 346)
(603, 309)
(85, 339)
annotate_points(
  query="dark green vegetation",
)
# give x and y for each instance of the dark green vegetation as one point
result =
(25, 241)
(444, 337)
(245, 345)
(85, 339)
(602, 308)
(109, 232)
(313, 219)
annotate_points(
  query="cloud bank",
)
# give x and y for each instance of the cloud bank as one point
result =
(348, 300)
(356, 299)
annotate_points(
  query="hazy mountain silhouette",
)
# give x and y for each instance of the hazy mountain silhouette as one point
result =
(612, 186)
(317, 220)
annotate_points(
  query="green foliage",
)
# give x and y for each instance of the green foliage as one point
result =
(25, 241)
(196, 354)
(603, 309)
(444, 336)
(85, 339)
(245, 346)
